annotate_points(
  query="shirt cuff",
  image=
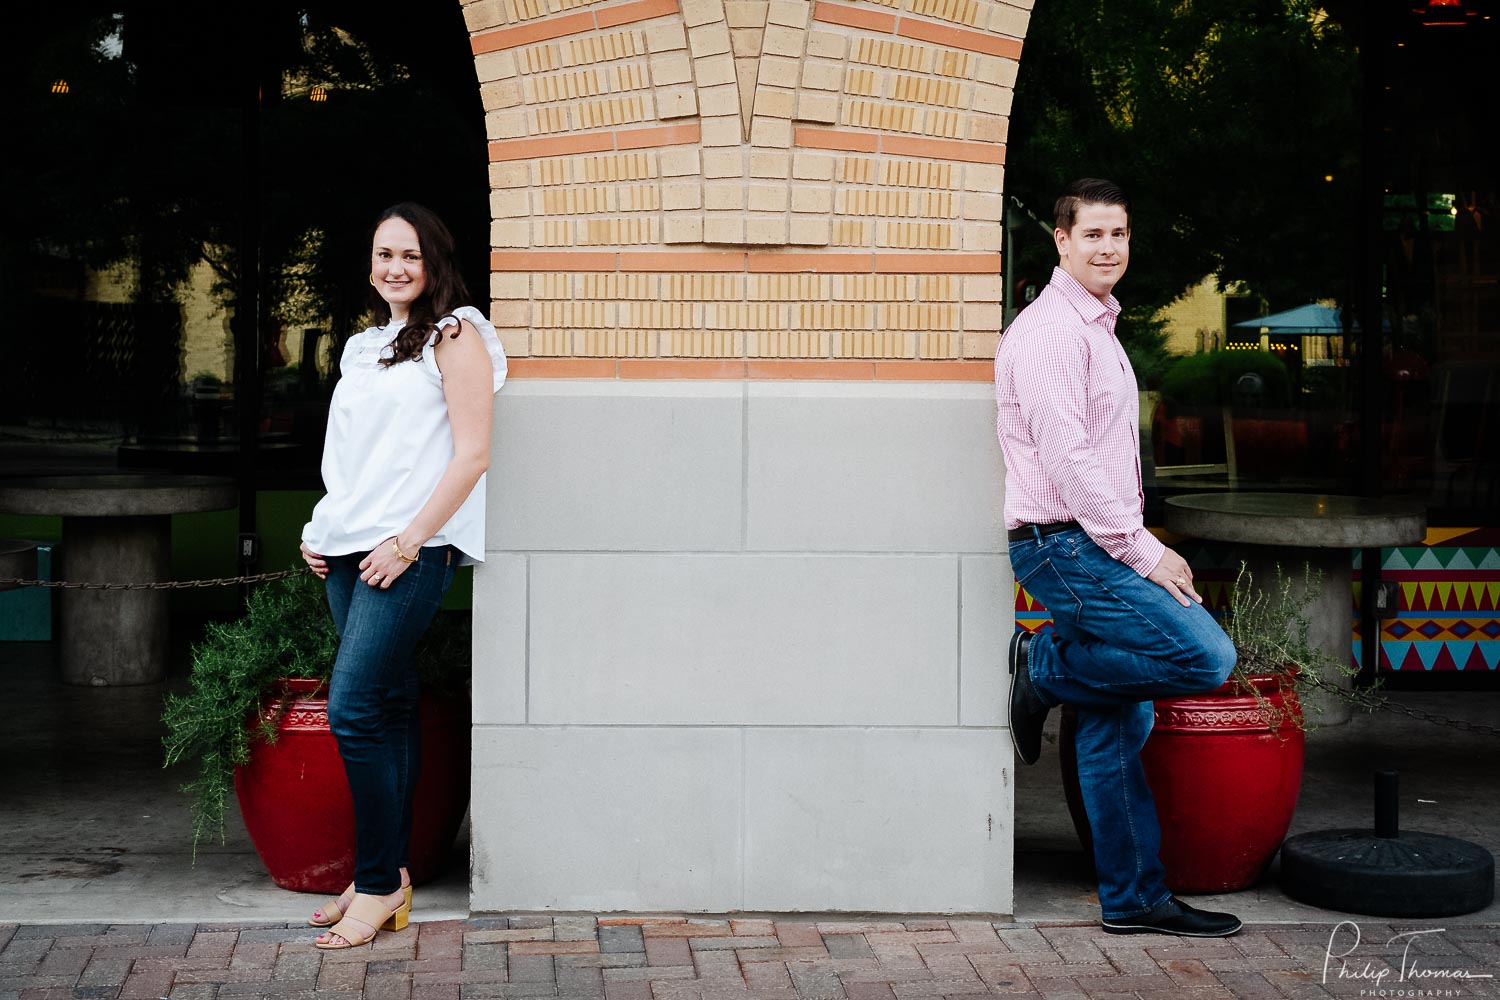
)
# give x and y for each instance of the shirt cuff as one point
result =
(1144, 553)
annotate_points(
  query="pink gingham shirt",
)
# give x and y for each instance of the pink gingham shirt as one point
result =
(1068, 422)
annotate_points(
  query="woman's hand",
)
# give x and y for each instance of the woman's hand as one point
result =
(318, 563)
(382, 565)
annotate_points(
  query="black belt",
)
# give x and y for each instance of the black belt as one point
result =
(1026, 531)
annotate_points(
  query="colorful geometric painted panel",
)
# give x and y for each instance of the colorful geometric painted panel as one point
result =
(1446, 616)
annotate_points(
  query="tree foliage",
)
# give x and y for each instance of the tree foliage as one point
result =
(1221, 118)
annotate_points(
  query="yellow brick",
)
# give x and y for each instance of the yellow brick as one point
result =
(778, 71)
(960, 11)
(510, 234)
(984, 177)
(714, 70)
(982, 288)
(614, 285)
(683, 227)
(508, 175)
(814, 107)
(848, 233)
(918, 316)
(539, 58)
(835, 316)
(992, 100)
(550, 172)
(628, 76)
(781, 40)
(525, 10)
(552, 285)
(792, 13)
(810, 198)
(820, 74)
(484, 14)
(982, 236)
(517, 343)
(546, 120)
(892, 55)
(552, 343)
(809, 230)
(938, 288)
(670, 67)
(745, 42)
(987, 128)
(874, 345)
(874, 287)
(500, 94)
(627, 231)
(615, 343)
(981, 345)
(984, 207)
(787, 344)
(676, 102)
(722, 197)
(663, 315)
(1010, 21)
(723, 163)
(955, 64)
(981, 316)
(510, 313)
(770, 163)
(723, 131)
(557, 315)
(774, 102)
(915, 236)
(510, 285)
(827, 45)
(495, 66)
(788, 287)
(746, 13)
(509, 204)
(666, 38)
(775, 133)
(617, 167)
(940, 345)
(679, 162)
(723, 100)
(552, 232)
(729, 228)
(1001, 72)
(681, 194)
(695, 287)
(856, 170)
(918, 173)
(696, 12)
(745, 316)
(890, 117)
(767, 197)
(702, 344)
(709, 40)
(505, 124)
(812, 166)
(640, 198)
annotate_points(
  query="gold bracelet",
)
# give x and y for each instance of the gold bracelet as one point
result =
(402, 555)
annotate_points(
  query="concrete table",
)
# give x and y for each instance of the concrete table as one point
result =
(117, 528)
(1291, 530)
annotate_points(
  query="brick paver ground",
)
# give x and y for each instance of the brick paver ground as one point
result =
(676, 958)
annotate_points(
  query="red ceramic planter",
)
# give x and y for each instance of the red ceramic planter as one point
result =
(296, 804)
(1225, 786)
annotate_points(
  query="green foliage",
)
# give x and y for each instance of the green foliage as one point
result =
(286, 631)
(1221, 118)
(1143, 334)
(1269, 628)
(1208, 379)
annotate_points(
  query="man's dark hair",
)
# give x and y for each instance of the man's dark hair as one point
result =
(1088, 191)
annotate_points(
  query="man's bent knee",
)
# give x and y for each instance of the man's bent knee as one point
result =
(1215, 660)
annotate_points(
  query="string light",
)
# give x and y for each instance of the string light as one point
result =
(318, 95)
(59, 86)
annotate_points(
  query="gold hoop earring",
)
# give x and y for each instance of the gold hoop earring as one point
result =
(372, 279)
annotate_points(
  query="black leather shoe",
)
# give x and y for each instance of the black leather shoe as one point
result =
(1176, 917)
(1027, 712)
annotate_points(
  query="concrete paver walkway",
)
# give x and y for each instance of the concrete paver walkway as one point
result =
(676, 958)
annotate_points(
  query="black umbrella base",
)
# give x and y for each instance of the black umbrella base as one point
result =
(1408, 875)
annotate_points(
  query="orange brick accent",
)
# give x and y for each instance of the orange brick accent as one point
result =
(837, 371)
(853, 17)
(944, 149)
(668, 261)
(810, 263)
(937, 263)
(682, 369)
(526, 34)
(560, 368)
(629, 13)
(959, 38)
(559, 145)
(551, 260)
(665, 135)
(935, 371)
(827, 138)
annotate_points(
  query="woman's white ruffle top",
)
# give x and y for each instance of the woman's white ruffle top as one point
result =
(388, 442)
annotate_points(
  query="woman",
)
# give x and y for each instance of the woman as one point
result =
(404, 464)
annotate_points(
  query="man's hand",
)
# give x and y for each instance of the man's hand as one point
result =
(1173, 573)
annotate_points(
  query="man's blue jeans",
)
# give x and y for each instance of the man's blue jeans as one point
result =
(373, 701)
(1118, 641)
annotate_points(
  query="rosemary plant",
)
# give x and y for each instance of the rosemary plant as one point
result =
(286, 631)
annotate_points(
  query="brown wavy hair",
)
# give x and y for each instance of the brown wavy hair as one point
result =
(444, 291)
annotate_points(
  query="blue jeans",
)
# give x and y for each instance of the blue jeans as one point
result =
(1118, 641)
(373, 702)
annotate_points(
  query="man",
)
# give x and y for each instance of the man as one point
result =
(1127, 624)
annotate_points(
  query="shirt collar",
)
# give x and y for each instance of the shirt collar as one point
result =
(1088, 306)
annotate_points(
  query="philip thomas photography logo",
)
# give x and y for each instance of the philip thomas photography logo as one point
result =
(1395, 969)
